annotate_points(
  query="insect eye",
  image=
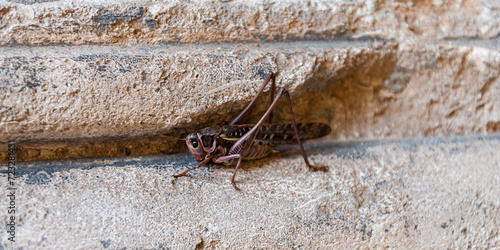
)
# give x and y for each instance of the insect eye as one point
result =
(194, 142)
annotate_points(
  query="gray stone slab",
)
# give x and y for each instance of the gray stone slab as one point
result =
(413, 193)
(28, 22)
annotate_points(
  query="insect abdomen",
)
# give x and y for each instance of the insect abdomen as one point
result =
(275, 134)
(256, 152)
(284, 133)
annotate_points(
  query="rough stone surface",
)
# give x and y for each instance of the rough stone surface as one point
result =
(109, 93)
(154, 22)
(369, 69)
(430, 193)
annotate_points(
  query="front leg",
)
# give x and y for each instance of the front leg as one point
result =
(193, 168)
(226, 158)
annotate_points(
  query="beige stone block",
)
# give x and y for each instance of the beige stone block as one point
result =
(362, 90)
(431, 193)
(157, 22)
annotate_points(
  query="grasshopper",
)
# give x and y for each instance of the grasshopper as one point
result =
(229, 144)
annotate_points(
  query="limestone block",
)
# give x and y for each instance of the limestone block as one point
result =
(362, 90)
(407, 194)
(154, 22)
(369, 69)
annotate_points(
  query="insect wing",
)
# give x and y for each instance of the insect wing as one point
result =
(275, 134)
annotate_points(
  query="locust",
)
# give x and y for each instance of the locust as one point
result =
(232, 143)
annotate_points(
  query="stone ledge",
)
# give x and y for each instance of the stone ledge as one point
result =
(151, 22)
(362, 90)
(422, 193)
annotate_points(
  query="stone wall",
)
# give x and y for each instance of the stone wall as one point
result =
(79, 75)
(86, 79)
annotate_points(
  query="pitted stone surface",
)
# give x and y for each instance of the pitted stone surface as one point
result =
(136, 93)
(421, 193)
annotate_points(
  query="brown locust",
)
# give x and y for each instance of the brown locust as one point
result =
(229, 144)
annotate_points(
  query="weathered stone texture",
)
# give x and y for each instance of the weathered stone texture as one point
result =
(430, 193)
(104, 93)
(363, 88)
(151, 22)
